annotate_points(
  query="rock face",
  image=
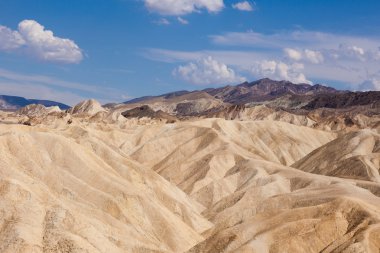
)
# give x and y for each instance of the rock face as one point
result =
(266, 89)
(37, 110)
(146, 111)
(261, 90)
(87, 107)
(370, 99)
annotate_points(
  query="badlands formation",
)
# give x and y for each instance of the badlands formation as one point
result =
(234, 179)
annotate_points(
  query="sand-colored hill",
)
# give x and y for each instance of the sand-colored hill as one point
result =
(354, 155)
(188, 104)
(35, 110)
(261, 112)
(277, 209)
(68, 191)
(87, 107)
(99, 182)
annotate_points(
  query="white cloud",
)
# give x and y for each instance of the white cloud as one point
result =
(371, 84)
(315, 47)
(253, 62)
(353, 52)
(10, 40)
(243, 6)
(207, 71)
(331, 58)
(349, 73)
(312, 56)
(33, 39)
(357, 50)
(183, 21)
(293, 54)
(162, 21)
(348, 59)
(278, 70)
(315, 57)
(183, 7)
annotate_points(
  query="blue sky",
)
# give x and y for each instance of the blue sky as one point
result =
(113, 50)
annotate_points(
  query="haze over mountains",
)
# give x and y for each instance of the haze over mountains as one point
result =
(282, 94)
(14, 102)
(260, 167)
(260, 90)
(267, 91)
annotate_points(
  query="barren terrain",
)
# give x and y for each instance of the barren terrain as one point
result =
(92, 180)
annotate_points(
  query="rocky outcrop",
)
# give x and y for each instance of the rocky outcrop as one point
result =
(87, 107)
(370, 99)
(146, 111)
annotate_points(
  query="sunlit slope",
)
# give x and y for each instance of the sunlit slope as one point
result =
(90, 183)
(355, 155)
(273, 208)
(195, 154)
(67, 191)
(236, 170)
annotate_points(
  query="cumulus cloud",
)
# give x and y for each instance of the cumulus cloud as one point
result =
(351, 61)
(353, 52)
(32, 38)
(293, 54)
(10, 40)
(312, 56)
(207, 71)
(278, 70)
(183, 7)
(243, 6)
(183, 21)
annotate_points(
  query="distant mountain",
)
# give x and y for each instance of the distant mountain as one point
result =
(266, 89)
(146, 111)
(275, 94)
(343, 100)
(260, 90)
(14, 103)
(166, 96)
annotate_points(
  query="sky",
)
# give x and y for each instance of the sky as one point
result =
(116, 50)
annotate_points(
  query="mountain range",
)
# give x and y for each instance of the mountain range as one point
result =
(297, 98)
(260, 90)
(15, 102)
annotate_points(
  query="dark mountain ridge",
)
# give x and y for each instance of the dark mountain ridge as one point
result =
(343, 100)
(260, 90)
(297, 98)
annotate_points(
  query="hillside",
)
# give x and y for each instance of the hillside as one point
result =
(92, 180)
